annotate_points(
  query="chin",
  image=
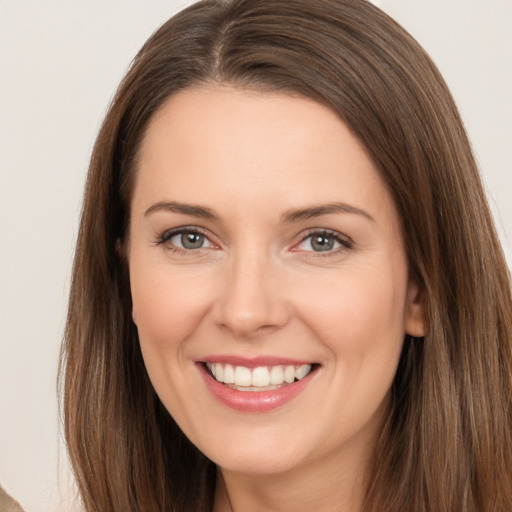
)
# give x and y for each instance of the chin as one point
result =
(255, 453)
(256, 463)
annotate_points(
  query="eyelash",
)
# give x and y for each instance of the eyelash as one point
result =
(164, 238)
(345, 242)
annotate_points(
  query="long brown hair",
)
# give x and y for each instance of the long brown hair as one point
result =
(446, 445)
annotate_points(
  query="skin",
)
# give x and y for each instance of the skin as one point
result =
(258, 287)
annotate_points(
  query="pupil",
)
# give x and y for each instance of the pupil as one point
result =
(192, 240)
(322, 243)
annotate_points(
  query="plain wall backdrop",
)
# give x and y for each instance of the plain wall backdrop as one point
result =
(60, 62)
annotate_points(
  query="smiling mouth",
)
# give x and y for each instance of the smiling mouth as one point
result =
(260, 378)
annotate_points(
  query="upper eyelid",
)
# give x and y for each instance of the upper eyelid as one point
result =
(169, 233)
(324, 231)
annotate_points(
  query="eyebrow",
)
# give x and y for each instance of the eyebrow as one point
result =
(323, 209)
(187, 209)
(289, 217)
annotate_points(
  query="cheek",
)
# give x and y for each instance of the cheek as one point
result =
(359, 314)
(166, 307)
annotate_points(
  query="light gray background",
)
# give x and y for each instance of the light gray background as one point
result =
(60, 62)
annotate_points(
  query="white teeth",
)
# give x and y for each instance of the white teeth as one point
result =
(289, 374)
(276, 375)
(242, 376)
(219, 372)
(302, 371)
(259, 377)
(229, 374)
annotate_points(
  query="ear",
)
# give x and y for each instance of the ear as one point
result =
(415, 323)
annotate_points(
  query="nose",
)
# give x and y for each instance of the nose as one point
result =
(251, 301)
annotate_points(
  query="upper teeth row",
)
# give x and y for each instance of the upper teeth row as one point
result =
(260, 376)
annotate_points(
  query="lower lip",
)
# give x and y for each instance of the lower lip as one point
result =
(254, 401)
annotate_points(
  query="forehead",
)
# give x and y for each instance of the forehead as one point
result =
(234, 146)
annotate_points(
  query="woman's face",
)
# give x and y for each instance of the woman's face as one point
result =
(265, 248)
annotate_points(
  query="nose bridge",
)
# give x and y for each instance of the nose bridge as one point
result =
(251, 301)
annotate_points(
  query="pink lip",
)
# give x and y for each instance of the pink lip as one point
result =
(254, 401)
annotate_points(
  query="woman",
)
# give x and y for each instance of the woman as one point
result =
(288, 292)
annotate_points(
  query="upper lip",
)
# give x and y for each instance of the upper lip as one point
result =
(254, 362)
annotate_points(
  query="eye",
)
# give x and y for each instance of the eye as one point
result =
(189, 240)
(323, 241)
(186, 239)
